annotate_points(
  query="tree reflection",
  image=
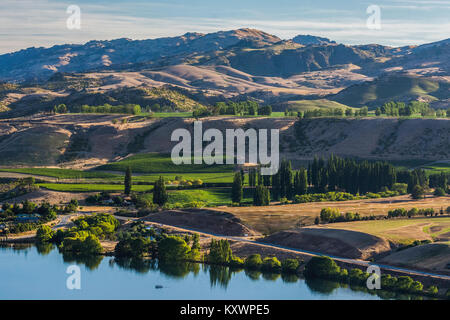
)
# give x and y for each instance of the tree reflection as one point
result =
(91, 262)
(253, 274)
(289, 277)
(136, 264)
(269, 276)
(44, 248)
(321, 286)
(220, 275)
(179, 269)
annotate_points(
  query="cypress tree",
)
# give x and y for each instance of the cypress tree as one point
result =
(127, 181)
(261, 196)
(160, 195)
(236, 190)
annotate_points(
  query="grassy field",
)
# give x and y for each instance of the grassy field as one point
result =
(83, 187)
(210, 196)
(324, 104)
(161, 163)
(437, 167)
(205, 177)
(283, 217)
(403, 231)
(101, 176)
(63, 173)
(168, 114)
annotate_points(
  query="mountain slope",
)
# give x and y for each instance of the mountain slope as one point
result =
(396, 87)
(40, 63)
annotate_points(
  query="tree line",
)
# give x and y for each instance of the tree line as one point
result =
(396, 109)
(106, 108)
(337, 177)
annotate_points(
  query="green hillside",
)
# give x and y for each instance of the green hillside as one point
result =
(303, 105)
(160, 163)
(392, 88)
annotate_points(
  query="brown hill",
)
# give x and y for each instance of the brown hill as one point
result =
(342, 243)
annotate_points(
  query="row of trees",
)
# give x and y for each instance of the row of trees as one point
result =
(326, 268)
(396, 109)
(242, 108)
(106, 108)
(337, 176)
(46, 211)
(332, 175)
(333, 112)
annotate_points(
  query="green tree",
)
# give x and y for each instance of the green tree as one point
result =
(173, 248)
(290, 265)
(160, 195)
(261, 196)
(253, 261)
(271, 264)
(236, 190)
(439, 192)
(417, 192)
(44, 234)
(127, 181)
(219, 252)
(322, 267)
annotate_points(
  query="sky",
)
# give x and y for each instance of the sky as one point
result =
(43, 23)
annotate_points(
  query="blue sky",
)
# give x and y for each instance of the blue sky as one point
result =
(28, 23)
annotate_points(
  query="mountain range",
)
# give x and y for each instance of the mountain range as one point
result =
(237, 64)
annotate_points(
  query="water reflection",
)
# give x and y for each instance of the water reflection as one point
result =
(219, 276)
(44, 248)
(91, 262)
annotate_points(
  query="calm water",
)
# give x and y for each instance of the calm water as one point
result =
(40, 273)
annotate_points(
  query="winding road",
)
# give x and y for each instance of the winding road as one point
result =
(304, 252)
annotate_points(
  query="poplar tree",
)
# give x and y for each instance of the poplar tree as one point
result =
(236, 189)
(127, 181)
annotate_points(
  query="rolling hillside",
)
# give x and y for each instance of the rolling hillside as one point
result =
(79, 140)
(393, 88)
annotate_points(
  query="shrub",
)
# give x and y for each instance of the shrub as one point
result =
(236, 262)
(44, 234)
(132, 247)
(271, 264)
(388, 282)
(413, 212)
(401, 188)
(82, 243)
(329, 214)
(290, 265)
(253, 261)
(432, 290)
(439, 192)
(322, 267)
(172, 248)
(357, 276)
(404, 283)
(417, 192)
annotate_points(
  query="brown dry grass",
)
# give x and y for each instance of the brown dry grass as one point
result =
(275, 218)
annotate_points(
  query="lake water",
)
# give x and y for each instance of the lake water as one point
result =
(30, 272)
